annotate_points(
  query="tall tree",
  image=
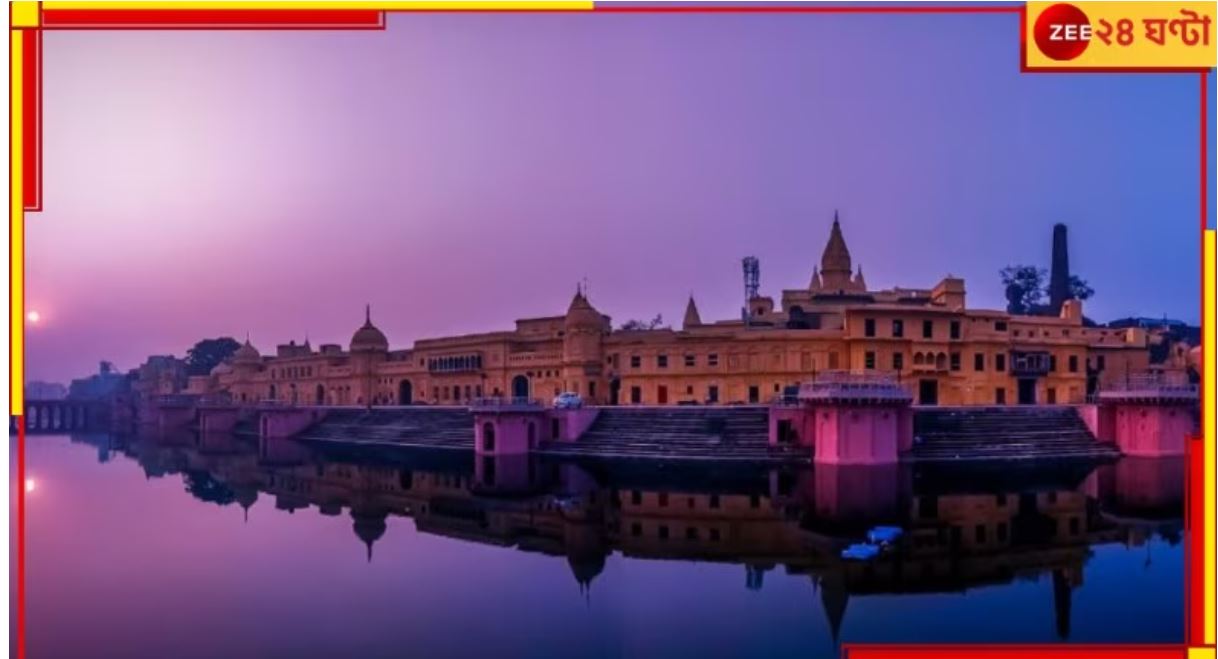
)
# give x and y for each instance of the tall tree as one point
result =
(1025, 285)
(208, 353)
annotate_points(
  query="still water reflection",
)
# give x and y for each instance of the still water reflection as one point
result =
(183, 547)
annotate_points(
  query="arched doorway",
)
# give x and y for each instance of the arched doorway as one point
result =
(520, 387)
(615, 391)
(320, 396)
(405, 393)
(488, 438)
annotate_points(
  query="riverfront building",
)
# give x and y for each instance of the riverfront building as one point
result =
(942, 350)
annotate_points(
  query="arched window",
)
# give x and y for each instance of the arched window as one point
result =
(941, 361)
(918, 359)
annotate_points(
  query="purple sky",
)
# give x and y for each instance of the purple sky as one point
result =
(459, 171)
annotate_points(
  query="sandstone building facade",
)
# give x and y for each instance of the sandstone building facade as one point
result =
(943, 351)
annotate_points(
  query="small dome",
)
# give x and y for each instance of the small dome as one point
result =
(246, 354)
(581, 313)
(221, 369)
(368, 338)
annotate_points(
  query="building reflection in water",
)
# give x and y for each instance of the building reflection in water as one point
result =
(965, 527)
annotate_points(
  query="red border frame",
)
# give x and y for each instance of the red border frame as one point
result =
(363, 19)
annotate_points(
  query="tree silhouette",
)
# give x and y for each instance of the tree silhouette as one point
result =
(208, 353)
(1025, 286)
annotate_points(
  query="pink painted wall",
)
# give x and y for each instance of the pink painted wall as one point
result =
(512, 434)
(857, 435)
(803, 422)
(905, 429)
(572, 423)
(1153, 430)
(1100, 420)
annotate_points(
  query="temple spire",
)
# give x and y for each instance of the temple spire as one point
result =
(368, 315)
(815, 283)
(692, 317)
(835, 267)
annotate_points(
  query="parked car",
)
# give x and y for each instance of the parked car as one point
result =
(568, 400)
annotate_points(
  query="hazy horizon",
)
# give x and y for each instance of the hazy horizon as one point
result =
(460, 171)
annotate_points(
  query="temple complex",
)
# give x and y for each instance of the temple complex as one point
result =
(928, 339)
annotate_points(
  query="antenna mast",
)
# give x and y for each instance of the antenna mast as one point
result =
(752, 284)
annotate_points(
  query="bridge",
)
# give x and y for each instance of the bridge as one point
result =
(54, 416)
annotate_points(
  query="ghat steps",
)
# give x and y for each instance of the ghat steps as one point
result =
(1004, 433)
(428, 427)
(696, 433)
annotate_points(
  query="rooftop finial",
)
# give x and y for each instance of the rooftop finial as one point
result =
(367, 314)
(835, 216)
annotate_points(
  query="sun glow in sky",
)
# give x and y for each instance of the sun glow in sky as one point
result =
(460, 171)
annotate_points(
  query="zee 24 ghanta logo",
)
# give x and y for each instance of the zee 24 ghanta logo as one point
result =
(1063, 31)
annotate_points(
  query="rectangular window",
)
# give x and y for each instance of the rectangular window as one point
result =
(869, 327)
(754, 394)
(979, 361)
(712, 394)
(898, 328)
(898, 361)
(1000, 362)
(661, 361)
(635, 361)
(955, 329)
(712, 359)
(636, 395)
(1074, 363)
(955, 361)
(1052, 362)
(1000, 325)
(663, 499)
(869, 360)
(691, 360)
(1000, 396)
(1052, 396)
(928, 329)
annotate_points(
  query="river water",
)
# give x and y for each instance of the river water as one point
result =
(220, 547)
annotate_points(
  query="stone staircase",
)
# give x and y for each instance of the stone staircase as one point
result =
(1004, 433)
(426, 427)
(678, 433)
